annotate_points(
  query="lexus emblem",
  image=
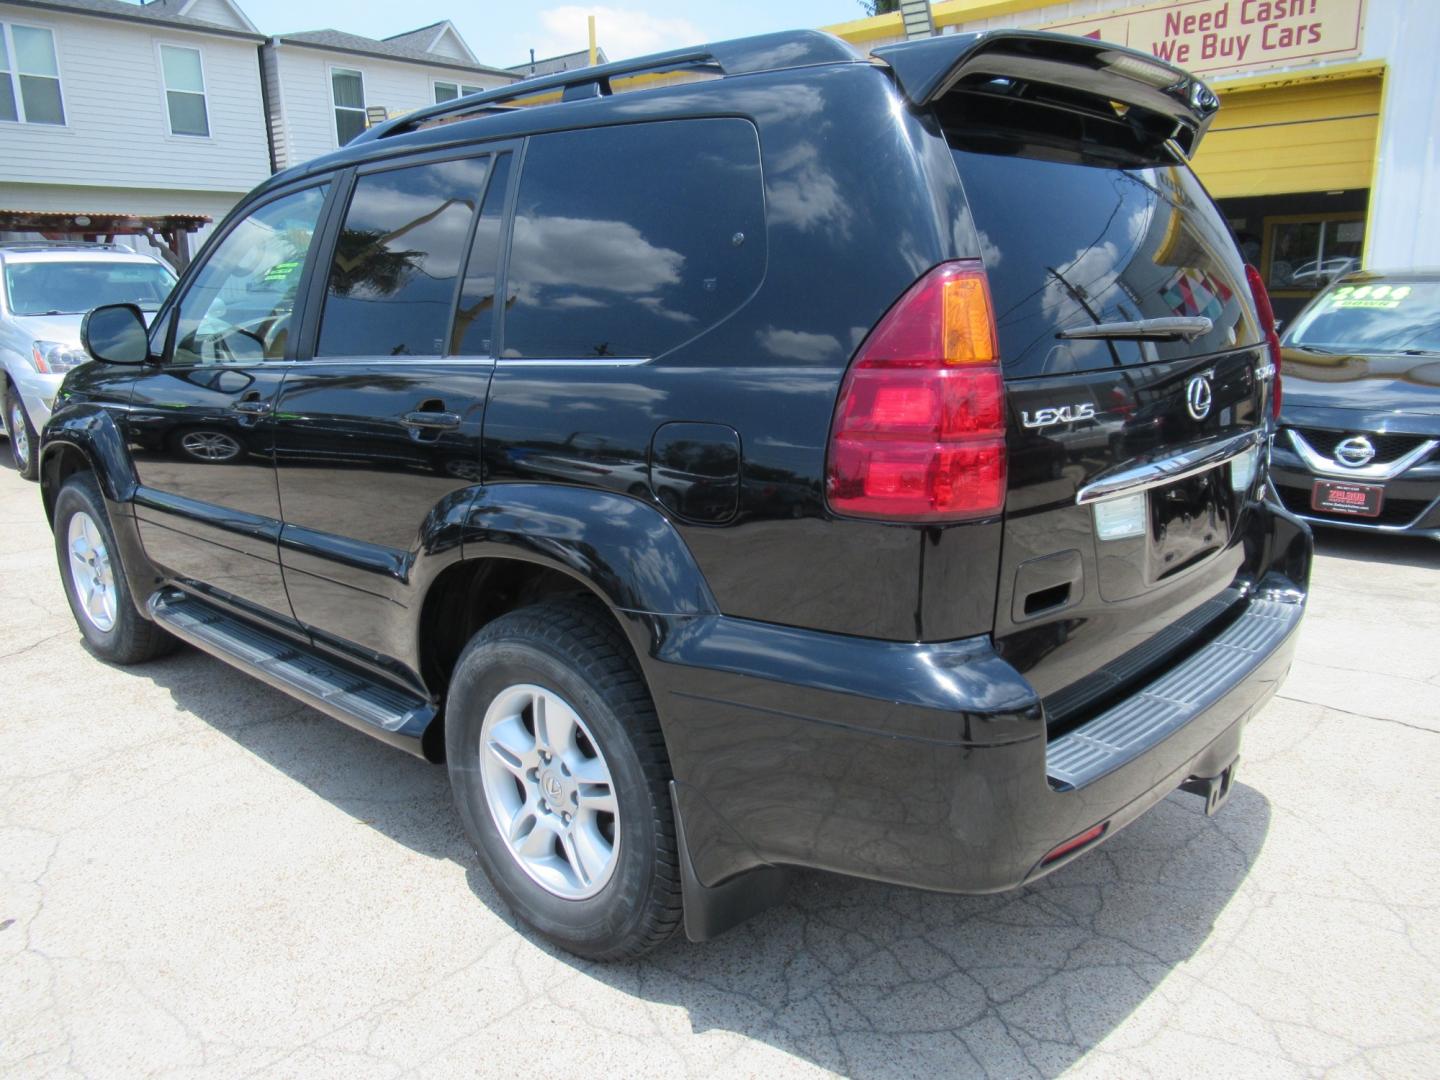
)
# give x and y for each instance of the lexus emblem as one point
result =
(1355, 452)
(1197, 397)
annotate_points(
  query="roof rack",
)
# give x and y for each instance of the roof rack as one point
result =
(742, 56)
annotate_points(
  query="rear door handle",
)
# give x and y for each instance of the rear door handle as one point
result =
(433, 421)
(253, 407)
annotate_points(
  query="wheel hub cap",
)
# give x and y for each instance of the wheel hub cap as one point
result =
(549, 791)
(90, 572)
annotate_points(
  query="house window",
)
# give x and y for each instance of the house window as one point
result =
(449, 91)
(184, 90)
(29, 76)
(347, 87)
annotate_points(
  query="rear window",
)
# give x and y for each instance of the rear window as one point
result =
(1373, 316)
(629, 241)
(1076, 232)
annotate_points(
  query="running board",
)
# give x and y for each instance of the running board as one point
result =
(1121, 734)
(377, 709)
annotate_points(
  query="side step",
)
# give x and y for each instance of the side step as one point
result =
(377, 709)
(1156, 711)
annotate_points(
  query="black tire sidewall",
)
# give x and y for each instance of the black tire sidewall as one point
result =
(589, 926)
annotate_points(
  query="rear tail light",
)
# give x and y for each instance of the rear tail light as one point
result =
(919, 430)
(1267, 327)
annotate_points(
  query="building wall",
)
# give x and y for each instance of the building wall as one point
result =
(117, 131)
(303, 75)
(1404, 225)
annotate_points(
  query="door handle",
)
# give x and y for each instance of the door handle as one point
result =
(252, 407)
(431, 421)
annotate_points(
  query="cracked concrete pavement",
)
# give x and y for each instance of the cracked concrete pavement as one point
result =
(199, 877)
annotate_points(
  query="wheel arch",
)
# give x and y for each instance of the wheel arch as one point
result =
(523, 543)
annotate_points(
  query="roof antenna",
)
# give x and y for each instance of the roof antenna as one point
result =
(532, 61)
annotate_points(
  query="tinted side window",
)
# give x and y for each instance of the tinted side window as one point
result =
(629, 241)
(392, 281)
(475, 318)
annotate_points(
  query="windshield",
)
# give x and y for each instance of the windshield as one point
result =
(73, 288)
(1393, 317)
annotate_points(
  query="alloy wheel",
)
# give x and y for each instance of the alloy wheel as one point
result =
(549, 791)
(19, 435)
(91, 571)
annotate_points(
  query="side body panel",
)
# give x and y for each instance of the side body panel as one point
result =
(206, 504)
(367, 498)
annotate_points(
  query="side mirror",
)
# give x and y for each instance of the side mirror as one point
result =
(116, 334)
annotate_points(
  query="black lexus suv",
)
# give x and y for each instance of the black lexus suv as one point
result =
(807, 462)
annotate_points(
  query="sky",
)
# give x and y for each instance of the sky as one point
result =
(502, 34)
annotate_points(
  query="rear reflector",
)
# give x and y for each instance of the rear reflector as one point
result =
(1266, 315)
(919, 431)
(1075, 843)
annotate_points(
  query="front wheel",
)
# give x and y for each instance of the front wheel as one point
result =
(561, 779)
(23, 441)
(94, 580)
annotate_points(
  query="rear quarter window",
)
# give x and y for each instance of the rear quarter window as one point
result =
(629, 241)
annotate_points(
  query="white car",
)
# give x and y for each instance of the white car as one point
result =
(46, 287)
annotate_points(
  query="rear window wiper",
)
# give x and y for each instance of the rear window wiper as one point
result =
(1186, 328)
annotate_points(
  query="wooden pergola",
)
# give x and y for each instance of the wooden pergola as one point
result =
(168, 232)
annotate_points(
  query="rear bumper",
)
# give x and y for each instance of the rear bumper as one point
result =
(929, 765)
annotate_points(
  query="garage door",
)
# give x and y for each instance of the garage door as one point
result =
(1315, 136)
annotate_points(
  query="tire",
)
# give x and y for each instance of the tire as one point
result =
(24, 443)
(568, 652)
(107, 616)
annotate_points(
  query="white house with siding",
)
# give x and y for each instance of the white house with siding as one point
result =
(320, 84)
(109, 107)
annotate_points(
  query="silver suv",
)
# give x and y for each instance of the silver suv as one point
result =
(46, 287)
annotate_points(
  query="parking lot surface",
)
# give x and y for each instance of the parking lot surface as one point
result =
(201, 877)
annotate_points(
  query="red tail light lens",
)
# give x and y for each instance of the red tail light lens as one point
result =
(919, 431)
(1267, 327)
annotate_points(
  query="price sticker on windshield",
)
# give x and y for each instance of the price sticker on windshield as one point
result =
(1384, 297)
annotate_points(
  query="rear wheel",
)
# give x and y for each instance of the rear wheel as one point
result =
(94, 580)
(561, 778)
(23, 441)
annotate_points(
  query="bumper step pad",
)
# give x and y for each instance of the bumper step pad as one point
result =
(1121, 734)
(347, 695)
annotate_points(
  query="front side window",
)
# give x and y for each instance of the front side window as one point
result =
(611, 258)
(184, 90)
(397, 258)
(347, 87)
(29, 76)
(238, 306)
(72, 287)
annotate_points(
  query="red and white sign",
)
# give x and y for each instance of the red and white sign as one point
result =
(1211, 37)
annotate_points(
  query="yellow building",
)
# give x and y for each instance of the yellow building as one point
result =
(1324, 153)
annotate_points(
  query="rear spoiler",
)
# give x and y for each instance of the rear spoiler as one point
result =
(927, 69)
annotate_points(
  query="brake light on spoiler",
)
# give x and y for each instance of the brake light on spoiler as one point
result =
(919, 429)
